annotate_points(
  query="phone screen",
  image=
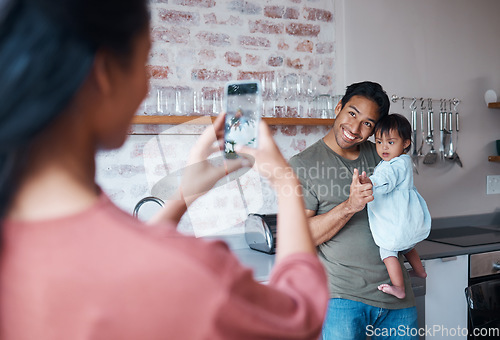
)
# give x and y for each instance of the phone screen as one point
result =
(243, 110)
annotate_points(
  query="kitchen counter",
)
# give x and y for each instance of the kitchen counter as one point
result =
(431, 250)
(262, 263)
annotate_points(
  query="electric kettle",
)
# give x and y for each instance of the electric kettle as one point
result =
(260, 232)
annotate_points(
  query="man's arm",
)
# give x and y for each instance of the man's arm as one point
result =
(324, 227)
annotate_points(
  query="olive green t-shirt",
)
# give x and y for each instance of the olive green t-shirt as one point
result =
(351, 258)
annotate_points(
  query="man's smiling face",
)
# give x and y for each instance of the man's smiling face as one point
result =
(355, 122)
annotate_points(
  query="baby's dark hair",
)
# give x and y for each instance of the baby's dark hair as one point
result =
(394, 122)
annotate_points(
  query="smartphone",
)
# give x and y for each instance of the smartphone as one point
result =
(243, 110)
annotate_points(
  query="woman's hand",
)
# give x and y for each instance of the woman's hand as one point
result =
(269, 161)
(200, 173)
(292, 228)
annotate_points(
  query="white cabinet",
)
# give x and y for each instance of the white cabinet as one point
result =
(445, 305)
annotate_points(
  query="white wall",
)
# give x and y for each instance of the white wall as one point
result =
(438, 49)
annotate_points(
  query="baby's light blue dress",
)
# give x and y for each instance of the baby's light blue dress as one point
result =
(398, 215)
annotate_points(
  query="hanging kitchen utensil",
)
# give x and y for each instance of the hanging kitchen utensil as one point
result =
(450, 148)
(454, 156)
(422, 107)
(442, 121)
(414, 155)
(457, 159)
(431, 156)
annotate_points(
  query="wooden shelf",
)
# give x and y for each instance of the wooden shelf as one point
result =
(204, 120)
(494, 105)
(494, 158)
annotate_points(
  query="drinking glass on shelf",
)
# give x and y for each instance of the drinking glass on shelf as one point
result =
(178, 103)
(292, 87)
(300, 108)
(216, 103)
(265, 85)
(214, 110)
(165, 103)
(324, 106)
(220, 102)
(276, 93)
(169, 101)
(303, 84)
(206, 103)
(148, 105)
(270, 93)
(187, 101)
(307, 107)
(309, 88)
(197, 103)
(277, 86)
(184, 101)
(160, 101)
(291, 94)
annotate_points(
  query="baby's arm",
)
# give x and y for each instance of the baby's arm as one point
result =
(388, 175)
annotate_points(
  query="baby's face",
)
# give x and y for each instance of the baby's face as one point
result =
(390, 145)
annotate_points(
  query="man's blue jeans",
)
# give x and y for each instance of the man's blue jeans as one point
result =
(353, 320)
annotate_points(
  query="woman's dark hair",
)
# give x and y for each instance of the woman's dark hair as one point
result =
(111, 24)
(47, 48)
(369, 90)
(394, 122)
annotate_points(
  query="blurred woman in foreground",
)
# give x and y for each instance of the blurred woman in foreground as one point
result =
(74, 266)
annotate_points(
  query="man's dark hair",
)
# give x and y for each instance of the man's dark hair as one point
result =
(394, 122)
(369, 90)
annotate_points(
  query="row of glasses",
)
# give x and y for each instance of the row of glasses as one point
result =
(284, 95)
(165, 101)
(209, 103)
(182, 101)
(294, 95)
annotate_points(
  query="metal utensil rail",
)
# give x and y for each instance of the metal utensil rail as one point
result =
(449, 127)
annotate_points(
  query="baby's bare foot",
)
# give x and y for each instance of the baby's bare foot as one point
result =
(398, 292)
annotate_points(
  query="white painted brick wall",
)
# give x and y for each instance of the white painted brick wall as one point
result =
(198, 45)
